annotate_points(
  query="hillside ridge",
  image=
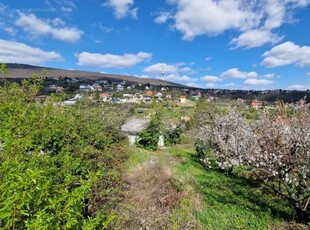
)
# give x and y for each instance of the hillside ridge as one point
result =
(17, 70)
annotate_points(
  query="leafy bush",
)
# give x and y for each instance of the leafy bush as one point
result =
(173, 137)
(148, 138)
(201, 150)
(58, 165)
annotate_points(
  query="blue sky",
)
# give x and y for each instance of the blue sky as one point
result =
(231, 44)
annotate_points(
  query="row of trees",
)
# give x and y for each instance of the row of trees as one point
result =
(59, 166)
(276, 148)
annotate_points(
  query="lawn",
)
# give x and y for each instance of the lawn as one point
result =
(225, 202)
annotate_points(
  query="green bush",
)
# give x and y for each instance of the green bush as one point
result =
(173, 137)
(58, 165)
(148, 138)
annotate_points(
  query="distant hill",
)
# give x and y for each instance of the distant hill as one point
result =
(24, 71)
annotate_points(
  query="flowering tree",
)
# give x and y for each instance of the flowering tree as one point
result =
(232, 139)
(283, 159)
(276, 148)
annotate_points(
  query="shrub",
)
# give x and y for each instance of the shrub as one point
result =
(54, 159)
(148, 138)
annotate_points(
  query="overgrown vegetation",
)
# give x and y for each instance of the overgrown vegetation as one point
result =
(274, 148)
(59, 166)
(70, 167)
(148, 138)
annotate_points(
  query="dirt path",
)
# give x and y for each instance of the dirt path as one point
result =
(155, 199)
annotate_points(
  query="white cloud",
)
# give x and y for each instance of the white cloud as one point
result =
(210, 78)
(111, 60)
(258, 82)
(162, 17)
(192, 84)
(255, 38)
(200, 17)
(212, 85)
(158, 68)
(270, 75)
(229, 84)
(254, 20)
(287, 53)
(164, 68)
(122, 8)
(308, 74)
(187, 70)
(15, 52)
(11, 31)
(298, 87)
(66, 9)
(55, 28)
(236, 73)
(178, 78)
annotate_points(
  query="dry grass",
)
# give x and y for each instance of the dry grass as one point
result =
(155, 199)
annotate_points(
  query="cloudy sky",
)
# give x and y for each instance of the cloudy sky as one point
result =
(232, 44)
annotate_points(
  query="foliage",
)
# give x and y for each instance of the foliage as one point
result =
(276, 148)
(148, 138)
(59, 166)
(231, 139)
(173, 137)
(201, 151)
(232, 202)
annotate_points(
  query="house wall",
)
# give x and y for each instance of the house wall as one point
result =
(132, 140)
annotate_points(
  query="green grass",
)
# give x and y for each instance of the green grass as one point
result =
(226, 202)
(230, 202)
(137, 156)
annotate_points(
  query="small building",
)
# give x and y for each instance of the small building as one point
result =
(86, 88)
(148, 93)
(133, 126)
(119, 87)
(256, 104)
(104, 97)
(159, 95)
(183, 99)
(168, 96)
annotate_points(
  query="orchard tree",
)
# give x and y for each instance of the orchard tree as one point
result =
(276, 148)
(232, 139)
(283, 159)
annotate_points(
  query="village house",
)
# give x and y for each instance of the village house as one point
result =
(159, 95)
(168, 96)
(119, 87)
(196, 95)
(104, 97)
(73, 101)
(256, 104)
(183, 99)
(135, 125)
(148, 93)
(86, 88)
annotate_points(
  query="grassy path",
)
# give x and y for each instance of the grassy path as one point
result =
(168, 189)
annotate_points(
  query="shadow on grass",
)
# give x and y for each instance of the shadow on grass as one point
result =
(221, 191)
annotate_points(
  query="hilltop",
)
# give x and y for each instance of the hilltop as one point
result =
(23, 71)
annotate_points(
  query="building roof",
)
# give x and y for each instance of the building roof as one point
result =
(149, 93)
(135, 125)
